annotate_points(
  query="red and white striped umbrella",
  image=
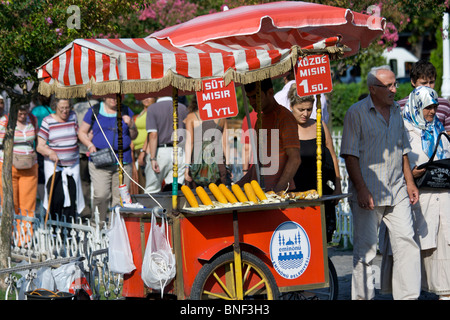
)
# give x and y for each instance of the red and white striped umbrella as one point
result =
(109, 66)
(279, 24)
(247, 44)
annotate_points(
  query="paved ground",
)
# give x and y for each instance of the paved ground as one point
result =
(342, 261)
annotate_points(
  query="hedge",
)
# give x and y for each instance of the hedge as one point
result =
(344, 95)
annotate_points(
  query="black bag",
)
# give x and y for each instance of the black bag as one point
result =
(437, 174)
(103, 158)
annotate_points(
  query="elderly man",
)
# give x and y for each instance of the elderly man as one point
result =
(375, 147)
(281, 157)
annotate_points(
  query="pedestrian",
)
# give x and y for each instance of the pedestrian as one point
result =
(80, 110)
(431, 213)
(139, 143)
(105, 179)
(40, 111)
(198, 132)
(306, 176)
(281, 156)
(24, 166)
(375, 148)
(423, 73)
(159, 150)
(282, 98)
(58, 143)
(2, 105)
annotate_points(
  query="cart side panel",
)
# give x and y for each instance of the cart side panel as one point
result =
(133, 286)
(257, 228)
(200, 234)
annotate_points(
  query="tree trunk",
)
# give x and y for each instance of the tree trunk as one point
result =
(7, 200)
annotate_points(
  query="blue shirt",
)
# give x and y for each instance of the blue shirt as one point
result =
(108, 122)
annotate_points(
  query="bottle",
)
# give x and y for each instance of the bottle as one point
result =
(124, 194)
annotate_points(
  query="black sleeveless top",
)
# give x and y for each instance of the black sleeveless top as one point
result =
(306, 175)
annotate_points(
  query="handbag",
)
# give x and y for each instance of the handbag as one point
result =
(437, 174)
(103, 158)
(24, 161)
(119, 249)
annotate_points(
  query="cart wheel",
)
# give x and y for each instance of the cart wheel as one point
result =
(329, 293)
(216, 279)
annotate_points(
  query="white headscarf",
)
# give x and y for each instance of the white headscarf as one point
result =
(419, 99)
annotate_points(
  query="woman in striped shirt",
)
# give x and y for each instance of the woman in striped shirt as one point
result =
(24, 181)
(58, 143)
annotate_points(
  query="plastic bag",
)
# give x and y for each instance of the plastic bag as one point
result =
(70, 278)
(119, 250)
(158, 266)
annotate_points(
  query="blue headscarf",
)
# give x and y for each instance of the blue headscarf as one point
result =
(420, 98)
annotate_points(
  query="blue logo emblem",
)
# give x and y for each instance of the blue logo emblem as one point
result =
(290, 250)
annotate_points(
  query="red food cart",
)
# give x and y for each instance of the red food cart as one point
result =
(269, 251)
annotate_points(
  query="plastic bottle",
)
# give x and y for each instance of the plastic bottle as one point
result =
(124, 194)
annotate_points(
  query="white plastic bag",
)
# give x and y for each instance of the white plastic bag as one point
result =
(158, 265)
(119, 250)
(70, 278)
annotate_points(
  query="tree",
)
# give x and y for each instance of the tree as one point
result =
(32, 31)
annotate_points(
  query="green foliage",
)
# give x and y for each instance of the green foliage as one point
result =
(436, 57)
(345, 95)
(341, 98)
(32, 31)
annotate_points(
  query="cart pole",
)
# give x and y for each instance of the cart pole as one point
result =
(175, 149)
(319, 144)
(119, 136)
(237, 258)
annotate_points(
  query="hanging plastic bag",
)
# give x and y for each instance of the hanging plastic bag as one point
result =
(70, 278)
(158, 266)
(119, 250)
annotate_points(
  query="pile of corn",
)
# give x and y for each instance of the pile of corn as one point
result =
(251, 194)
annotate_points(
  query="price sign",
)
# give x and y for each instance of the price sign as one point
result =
(313, 75)
(217, 101)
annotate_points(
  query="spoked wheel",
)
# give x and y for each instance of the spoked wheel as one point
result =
(217, 279)
(329, 293)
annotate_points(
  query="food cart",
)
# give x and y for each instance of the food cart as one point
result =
(281, 246)
(266, 249)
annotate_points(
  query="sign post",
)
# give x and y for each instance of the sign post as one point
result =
(313, 77)
(216, 100)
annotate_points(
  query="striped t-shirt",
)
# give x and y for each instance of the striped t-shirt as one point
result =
(380, 148)
(23, 139)
(62, 138)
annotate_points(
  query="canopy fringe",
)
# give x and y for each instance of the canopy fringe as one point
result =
(182, 83)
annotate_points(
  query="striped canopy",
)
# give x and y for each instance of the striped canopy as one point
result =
(254, 43)
(109, 66)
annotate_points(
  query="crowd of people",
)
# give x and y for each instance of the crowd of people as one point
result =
(70, 149)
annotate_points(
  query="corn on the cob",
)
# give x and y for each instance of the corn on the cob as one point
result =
(258, 191)
(217, 193)
(238, 193)
(190, 197)
(204, 198)
(227, 193)
(250, 192)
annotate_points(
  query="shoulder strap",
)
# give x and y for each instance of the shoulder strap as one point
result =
(437, 144)
(96, 110)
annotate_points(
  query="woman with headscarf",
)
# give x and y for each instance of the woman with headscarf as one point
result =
(431, 213)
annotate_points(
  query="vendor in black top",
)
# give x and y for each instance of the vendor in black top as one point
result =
(306, 176)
